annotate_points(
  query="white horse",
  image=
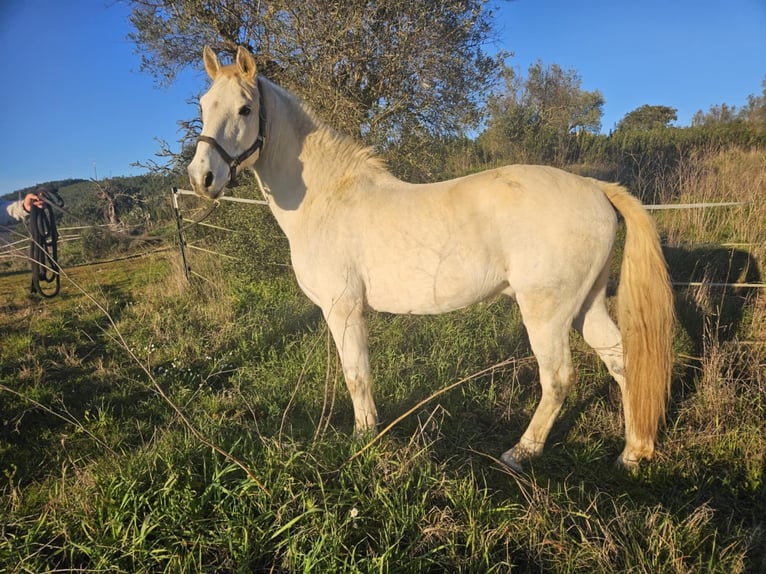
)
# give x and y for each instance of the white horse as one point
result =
(360, 238)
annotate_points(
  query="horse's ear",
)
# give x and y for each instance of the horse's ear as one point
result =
(246, 63)
(212, 66)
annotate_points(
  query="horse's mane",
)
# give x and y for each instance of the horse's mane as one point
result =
(336, 148)
(345, 149)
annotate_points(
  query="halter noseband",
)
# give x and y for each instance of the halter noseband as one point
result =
(234, 162)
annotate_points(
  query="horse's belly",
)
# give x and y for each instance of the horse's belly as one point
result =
(424, 291)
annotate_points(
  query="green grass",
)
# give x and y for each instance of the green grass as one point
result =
(101, 473)
(153, 426)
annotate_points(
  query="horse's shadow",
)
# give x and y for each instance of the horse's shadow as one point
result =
(710, 304)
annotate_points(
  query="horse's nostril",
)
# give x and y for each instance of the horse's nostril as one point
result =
(209, 179)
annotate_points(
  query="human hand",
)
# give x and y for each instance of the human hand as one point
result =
(32, 199)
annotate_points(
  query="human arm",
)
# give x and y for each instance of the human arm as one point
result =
(13, 211)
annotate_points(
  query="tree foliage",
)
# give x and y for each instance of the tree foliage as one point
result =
(533, 118)
(387, 71)
(716, 114)
(547, 118)
(647, 118)
(753, 113)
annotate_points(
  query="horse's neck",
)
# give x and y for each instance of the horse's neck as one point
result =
(304, 161)
(279, 166)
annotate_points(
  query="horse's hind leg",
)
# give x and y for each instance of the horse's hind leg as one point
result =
(600, 332)
(548, 331)
(349, 330)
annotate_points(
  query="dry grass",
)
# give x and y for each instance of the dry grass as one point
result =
(733, 175)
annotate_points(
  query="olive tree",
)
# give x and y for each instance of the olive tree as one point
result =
(389, 72)
(537, 118)
(647, 118)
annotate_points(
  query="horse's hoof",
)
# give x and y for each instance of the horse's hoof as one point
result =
(520, 454)
(630, 457)
(625, 464)
(516, 457)
(509, 460)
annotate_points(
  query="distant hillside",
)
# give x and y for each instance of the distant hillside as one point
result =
(60, 184)
(141, 200)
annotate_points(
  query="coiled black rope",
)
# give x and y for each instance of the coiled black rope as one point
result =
(43, 249)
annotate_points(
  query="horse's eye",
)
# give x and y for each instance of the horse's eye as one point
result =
(244, 111)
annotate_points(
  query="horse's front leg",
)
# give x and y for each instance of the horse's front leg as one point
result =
(349, 330)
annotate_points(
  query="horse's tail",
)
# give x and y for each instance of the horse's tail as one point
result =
(646, 317)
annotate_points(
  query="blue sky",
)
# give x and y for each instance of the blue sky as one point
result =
(76, 105)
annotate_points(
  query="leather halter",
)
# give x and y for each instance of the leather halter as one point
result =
(235, 162)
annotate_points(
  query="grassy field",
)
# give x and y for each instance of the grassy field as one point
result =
(150, 425)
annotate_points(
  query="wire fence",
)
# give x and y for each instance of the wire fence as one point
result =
(184, 245)
(15, 243)
(18, 247)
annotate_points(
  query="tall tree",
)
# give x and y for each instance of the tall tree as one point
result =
(648, 117)
(557, 100)
(717, 114)
(754, 111)
(751, 116)
(537, 118)
(387, 71)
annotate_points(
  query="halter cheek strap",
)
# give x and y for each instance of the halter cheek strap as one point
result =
(235, 162)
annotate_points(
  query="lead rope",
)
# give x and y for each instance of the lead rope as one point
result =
(43, 249)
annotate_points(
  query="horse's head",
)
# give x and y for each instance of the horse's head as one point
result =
(233, 124)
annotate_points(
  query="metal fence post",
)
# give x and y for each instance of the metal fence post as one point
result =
(179, 227)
